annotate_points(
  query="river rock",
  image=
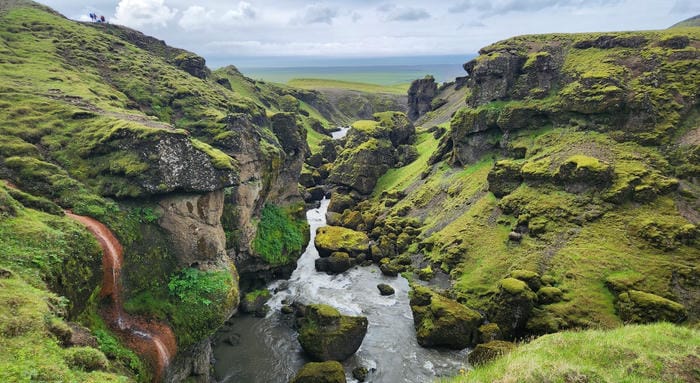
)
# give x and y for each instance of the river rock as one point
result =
(486, 352)
(442, 322)
(324, 372)
(337, 263)
(254, 302)
(325, 334)
(360, 373)
(385, 289)
(331, 239)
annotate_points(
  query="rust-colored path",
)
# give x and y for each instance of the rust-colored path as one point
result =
(153, 340)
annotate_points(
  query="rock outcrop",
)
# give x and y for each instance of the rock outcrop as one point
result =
(442, 322)
(372, 148)
(420, 97)
(332, 239)
(325, 334)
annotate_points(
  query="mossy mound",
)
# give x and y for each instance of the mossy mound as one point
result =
(320, 372)
(486, 352)
(442, 322)
(651, 353)
(641, 307)
(325, 334)
(512, 307)
(331, 239)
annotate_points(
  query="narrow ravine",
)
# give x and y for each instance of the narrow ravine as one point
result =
(152, 340)
(255, 350)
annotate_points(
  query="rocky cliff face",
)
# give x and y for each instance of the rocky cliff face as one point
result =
(138, 135)
(420, 96)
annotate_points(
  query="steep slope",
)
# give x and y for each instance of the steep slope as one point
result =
(564, 194)
(115, 125)
(691, 22)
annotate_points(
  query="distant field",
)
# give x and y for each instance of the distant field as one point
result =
(377, 74)
(317, 83)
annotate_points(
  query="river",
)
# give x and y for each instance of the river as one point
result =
(265, 350)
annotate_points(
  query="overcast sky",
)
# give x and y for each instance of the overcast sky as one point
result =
(235, 29)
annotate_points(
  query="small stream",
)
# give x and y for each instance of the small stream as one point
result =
(255, 350)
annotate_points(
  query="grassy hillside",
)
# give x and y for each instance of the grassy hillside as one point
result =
(572, 167)
(651, 353)
(691, 22)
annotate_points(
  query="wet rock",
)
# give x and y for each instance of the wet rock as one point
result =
(338, 262)
(324, 372)
(420, 95)
(325, 334)
(360, 373)
(385, 289)
(287, 309)
(316, 193)
(642, 307)
(389, 268)
(512, 306)
(331, 239)
(486, 352)
(254, 302)
(442, 322)
(232, 339)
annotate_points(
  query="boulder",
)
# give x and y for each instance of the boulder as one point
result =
(325, 334)
(360, 373)
(489, 332)
(324, 372)
(504, 178)
(338, 262)
(331, 239)
(385, 289)
(641, 307)
(254, 302)
(486, 352)
(512, 306)
(442, 322)
(549, 294)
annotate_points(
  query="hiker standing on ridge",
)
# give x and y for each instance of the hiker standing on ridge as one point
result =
(102, 19)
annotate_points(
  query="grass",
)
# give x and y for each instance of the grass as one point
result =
(317, 83)
(653, 353)
(401, 178)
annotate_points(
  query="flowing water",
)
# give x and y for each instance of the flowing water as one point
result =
(154, 340)
(254, 350)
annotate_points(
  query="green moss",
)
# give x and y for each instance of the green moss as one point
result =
(513, 286)
(220, 159)
(252, 296)
(280, 237)
(336, 238)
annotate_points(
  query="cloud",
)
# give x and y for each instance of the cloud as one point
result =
(197, 17)
(685, 6)
(410, 14)
(317, 14)
(499, 7)
(398, 13)
(139, 13)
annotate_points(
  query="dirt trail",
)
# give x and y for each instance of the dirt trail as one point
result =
(153, 340)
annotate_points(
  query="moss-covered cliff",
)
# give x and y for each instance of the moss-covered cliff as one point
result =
(564, 194)
(179, 162)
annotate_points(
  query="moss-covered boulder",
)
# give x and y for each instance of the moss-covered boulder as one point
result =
(486, 352)
(512, 306)
(385, 289)
(442, 322)
(530, 277)
(641, 307)
(325, 334)
(337, 263)
(331, 239)
(489, 332)
(585, 169)
(254, 302)
(549, 294)
(323, 372)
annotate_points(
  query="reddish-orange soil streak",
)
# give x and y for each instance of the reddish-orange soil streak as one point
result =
(154, 340)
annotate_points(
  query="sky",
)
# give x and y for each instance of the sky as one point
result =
(265, 31)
